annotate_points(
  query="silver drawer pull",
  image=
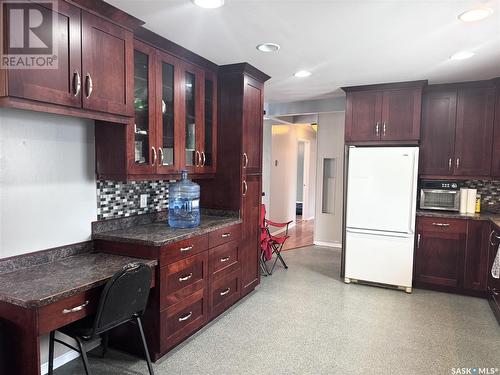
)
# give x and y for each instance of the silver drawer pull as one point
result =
(226, 235)
(186, 277)
(187, 248)
(225, 259)
(185, 317)
(441, 224)
(75, 309)
(225, 292)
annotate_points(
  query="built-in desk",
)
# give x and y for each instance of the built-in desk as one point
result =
(43, 297)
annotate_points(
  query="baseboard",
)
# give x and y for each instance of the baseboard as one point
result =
(309, 218)
(66, 358)
(336, 245)
(292, 224)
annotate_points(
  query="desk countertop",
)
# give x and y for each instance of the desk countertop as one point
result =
(49, 282)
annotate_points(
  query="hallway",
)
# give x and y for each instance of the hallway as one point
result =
(302, 234)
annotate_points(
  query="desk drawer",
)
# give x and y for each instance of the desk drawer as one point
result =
(224, 292)
(181, 279)
(68, 310)
(223, 235)
(183, 249)
(223, 259)
(179, 321)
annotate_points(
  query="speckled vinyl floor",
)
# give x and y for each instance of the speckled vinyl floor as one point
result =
(304, 320)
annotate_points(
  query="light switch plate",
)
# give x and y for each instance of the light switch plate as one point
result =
(144, 200)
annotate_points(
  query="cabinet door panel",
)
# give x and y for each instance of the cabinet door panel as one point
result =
(363, 113)
(476, 256)
(252, 126)
(107, 66)
(250, 249)
(401, 115)
(474, 131)
(208, 146)
(192, 84)
(57, 86)
(495, 163)
(438, 133)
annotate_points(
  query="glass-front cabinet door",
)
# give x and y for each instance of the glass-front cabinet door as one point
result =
(168, 101)
(143, 155)
(208, 149)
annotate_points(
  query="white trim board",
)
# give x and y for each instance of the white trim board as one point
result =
(67, 357)
(336, 245)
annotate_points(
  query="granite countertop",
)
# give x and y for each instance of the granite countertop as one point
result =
(50, 282)
(494, 218)
(160, 234)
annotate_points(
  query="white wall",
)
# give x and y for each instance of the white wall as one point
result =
(266, 162)
(47, 183)
(283, 179)
(328, 227)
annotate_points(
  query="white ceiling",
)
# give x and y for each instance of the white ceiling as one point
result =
(343, 43)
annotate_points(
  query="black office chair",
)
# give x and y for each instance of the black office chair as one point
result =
(123, 300)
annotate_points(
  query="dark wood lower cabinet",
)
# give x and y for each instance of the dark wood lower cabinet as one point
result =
(493, 283)
(451, 255)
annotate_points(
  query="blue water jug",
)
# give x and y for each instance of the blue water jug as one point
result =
(184, 203)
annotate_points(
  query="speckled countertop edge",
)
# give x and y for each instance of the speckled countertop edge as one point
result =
(160, 234)
(19, 288)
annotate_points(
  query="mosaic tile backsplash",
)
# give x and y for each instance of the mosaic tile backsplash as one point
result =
(120, 199)
(489, 190)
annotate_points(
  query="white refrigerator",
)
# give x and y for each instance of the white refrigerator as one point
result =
(380, 215)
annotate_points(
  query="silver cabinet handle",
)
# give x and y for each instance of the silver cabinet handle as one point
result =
(185, 317)
(154, 156)
(245, 188)
(203, 158)
(186, 277)
(383, 129)
(493, 234)
(187, 248)
(226, 235)
(245, 160)
(418, 241)
(197, 159)
(89, 85)
(225, 259)
(77, 82)
(160, 151)
(458, 163)
(225, 292)
(441, 224)
(377, 126)
(75, 309)
(449, 164)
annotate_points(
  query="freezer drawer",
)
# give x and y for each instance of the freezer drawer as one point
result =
(379, 259)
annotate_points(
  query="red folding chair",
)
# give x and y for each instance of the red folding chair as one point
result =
(271, 244)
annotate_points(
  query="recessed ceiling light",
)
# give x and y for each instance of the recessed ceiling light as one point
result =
(462, 55)
(268, 47)
(476, 14)
(209, 4)
(302, 74)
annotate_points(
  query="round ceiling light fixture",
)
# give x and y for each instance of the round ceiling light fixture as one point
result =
(302, 74)
(268, 47)
(476, 14)
(462, 55)
(209, 4)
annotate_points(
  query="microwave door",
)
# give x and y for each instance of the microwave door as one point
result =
(434, 199)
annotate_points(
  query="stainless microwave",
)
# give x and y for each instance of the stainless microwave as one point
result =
(440, 195)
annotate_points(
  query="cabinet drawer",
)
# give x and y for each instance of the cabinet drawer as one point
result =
(181, 279)
(68, 310)
(223, 259)
(223, 235)
(442, 225)
(224, 292)
(183, 249)
(179, 321)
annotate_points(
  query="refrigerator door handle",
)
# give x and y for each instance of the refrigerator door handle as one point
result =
(379, 233)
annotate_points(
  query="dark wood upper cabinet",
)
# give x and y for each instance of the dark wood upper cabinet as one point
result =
(437, 148)
(58, 86)
(107, 66)
(495, 160)
(384, 112)
(252, 126)
(209, 145)
(474, 131)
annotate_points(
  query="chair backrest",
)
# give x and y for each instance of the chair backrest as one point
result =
(124, 296)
